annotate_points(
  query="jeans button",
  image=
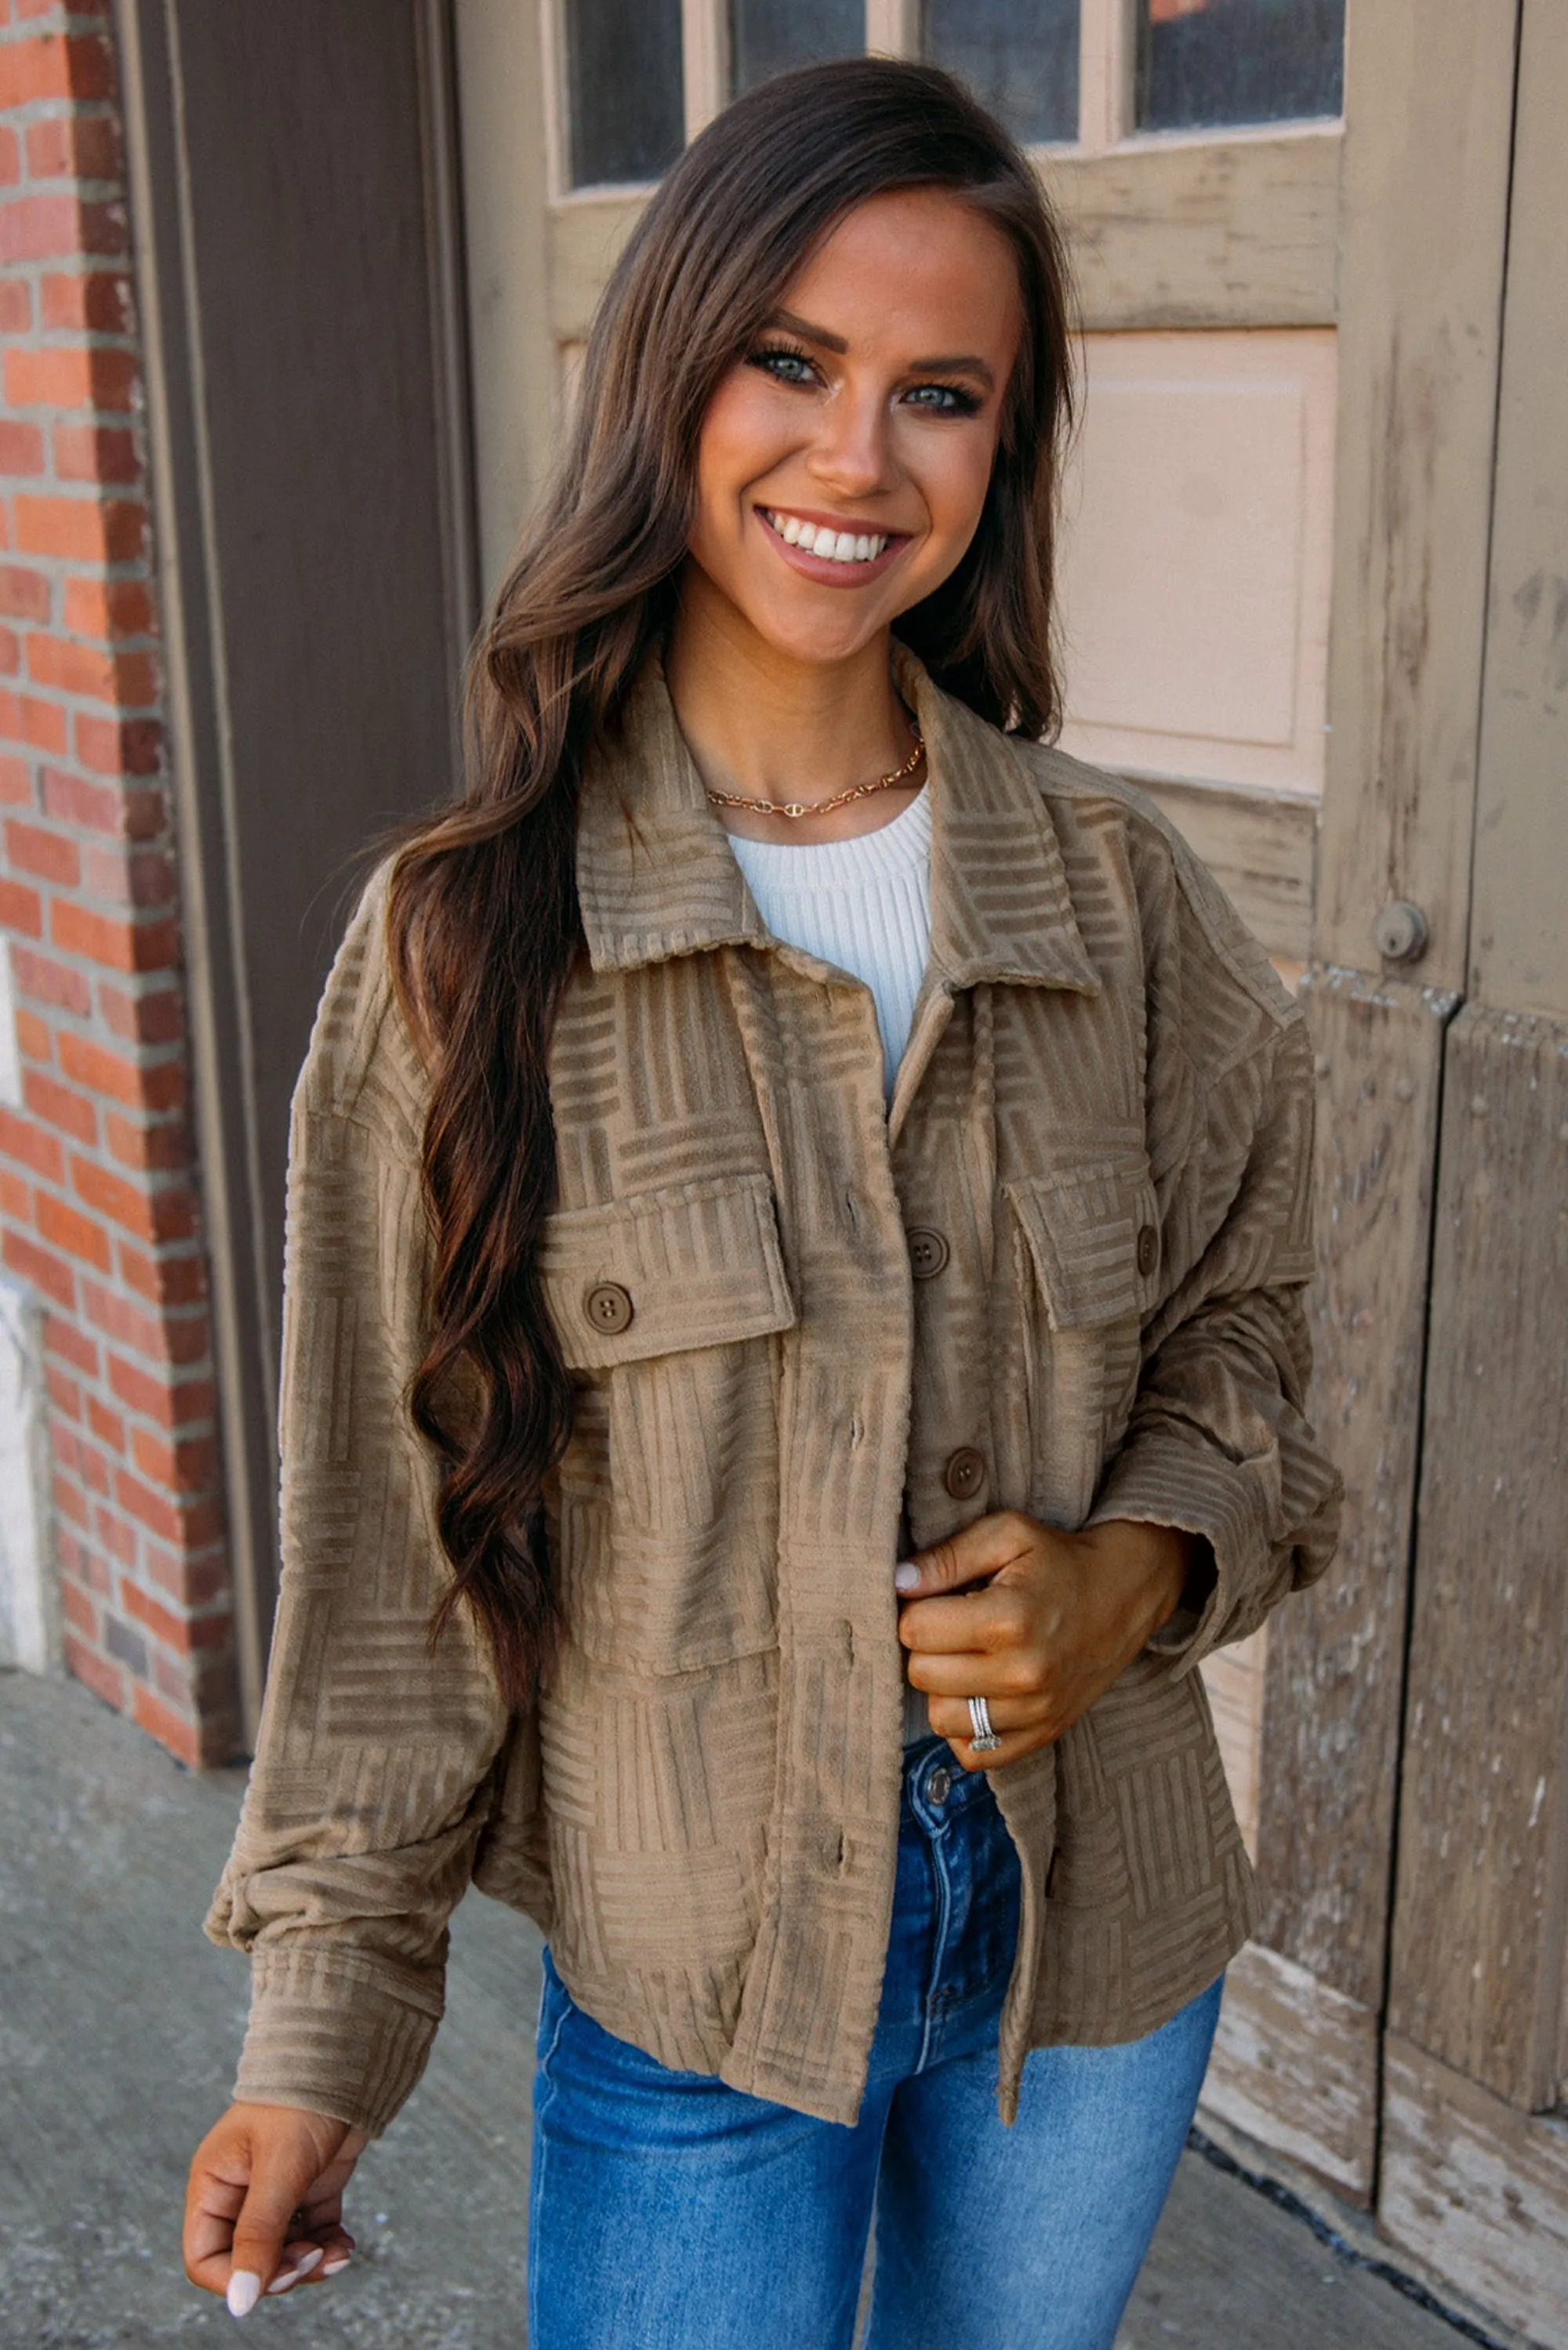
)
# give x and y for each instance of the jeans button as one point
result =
(938, 1786)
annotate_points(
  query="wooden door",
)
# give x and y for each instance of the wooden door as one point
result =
(1291, 265)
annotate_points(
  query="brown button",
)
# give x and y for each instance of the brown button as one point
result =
(928, 1251)
(965, 1473)
(1147, 1249)
(608, 1307)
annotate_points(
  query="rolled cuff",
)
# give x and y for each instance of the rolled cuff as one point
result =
(334, 2036)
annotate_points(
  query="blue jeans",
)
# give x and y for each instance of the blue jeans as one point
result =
(669, 2211)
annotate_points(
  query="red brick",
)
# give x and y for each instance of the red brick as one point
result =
(74, 147)
(160, 1339)
(192, 1582)
(68, 1228)
(94, 452)
(174, 1631)
(70, 1502)
(163, 1280)
(181, 1736)
(144, 878)
(149, 1507)
(24, 594)
(16, 1198)
(10, 653)
(57, 1105)
(128, 679)
(56, 66)
(33, 8)
(48, 982)
(132, 746)
(170, 1406)
(32, 1146)
(162, 1148)
(119, 1537)
(47, 855)
(136, 812)
(166, 1213)
(103, 1679)
(82, 530)
(97, 301)
(15, 307)
(58, 227)
(121, 945)
(189, 1467)
(21, 448)
(43, 1270)
(35, 1037)
(21, 910)
(152, 1019)
(25, 719)
(106, 1425)
(10, 158)
(63, 1392)
(160, 1086)
(70, 375)
(107, 608)
(71, 1345)
(79, 1609)
(15, 782)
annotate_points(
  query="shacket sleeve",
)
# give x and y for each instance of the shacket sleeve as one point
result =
(1218, 1443)
(373, 1765)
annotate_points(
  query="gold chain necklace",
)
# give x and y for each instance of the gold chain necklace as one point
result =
(839, 799)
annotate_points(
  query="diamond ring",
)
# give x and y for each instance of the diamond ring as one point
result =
(983, 1736)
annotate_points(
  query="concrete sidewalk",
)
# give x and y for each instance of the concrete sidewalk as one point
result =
(118, 2026)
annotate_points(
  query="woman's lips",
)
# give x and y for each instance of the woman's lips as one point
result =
(830, 569)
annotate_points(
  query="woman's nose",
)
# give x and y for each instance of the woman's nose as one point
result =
(851, 453)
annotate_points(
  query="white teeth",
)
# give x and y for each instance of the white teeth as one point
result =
(832, 545)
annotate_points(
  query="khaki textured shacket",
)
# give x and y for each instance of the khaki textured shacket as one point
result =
(1062, 1274)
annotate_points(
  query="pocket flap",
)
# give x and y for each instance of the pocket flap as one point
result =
(688, 1264)
(1093, 1237)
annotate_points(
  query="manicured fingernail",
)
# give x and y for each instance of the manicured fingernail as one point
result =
(332, 2267)
(244, 2292)
(906, 1577)
(291, 2276)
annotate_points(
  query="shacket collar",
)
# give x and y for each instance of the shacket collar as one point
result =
(656, 876)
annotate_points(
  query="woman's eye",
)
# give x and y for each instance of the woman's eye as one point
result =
(943, 399)
(784, 367)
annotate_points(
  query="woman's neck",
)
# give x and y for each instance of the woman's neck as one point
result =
(767, 727)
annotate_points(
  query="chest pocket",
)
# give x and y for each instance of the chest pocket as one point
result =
(1087, 1263)
(668, 1304)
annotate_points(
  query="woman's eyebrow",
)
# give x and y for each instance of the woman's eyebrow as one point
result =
(953, 363)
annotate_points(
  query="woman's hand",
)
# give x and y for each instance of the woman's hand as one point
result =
(264, 2205)
(1057, 1618)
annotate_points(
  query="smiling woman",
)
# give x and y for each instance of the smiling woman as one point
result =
(797, 1230)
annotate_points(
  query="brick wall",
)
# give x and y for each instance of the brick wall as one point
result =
(100, 1207)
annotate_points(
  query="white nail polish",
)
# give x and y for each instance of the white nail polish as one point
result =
(244, 2292)
(291, 2276)
(333, 2267)
(907, 1576)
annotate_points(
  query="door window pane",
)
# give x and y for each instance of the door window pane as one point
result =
(624, 89)
(768, 36)
(1214, 61)
(1019, 56)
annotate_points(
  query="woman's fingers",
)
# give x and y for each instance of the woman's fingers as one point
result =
(258, 2180)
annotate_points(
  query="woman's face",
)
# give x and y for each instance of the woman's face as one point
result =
(864, 419)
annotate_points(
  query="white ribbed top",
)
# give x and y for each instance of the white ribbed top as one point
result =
(864, 905)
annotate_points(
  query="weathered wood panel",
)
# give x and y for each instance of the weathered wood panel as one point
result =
(1477, 2189)
(1428, 109)
(1259, 847)
(1483, 1823)
(1331, 1719)
(1295, 2065)
(1222, 233)
(1519, 938)
(1233, 1677)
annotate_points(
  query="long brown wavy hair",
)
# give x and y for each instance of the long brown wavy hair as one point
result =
(483, 919)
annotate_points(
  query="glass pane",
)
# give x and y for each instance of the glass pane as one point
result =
(624, 89)
(1212, 62)
(768, 36)
(1019, 56)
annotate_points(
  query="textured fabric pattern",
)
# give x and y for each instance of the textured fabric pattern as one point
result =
(863, 905)
(1104, 1110)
